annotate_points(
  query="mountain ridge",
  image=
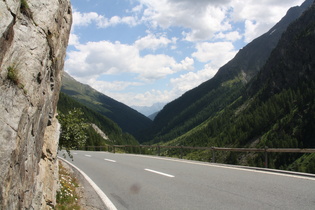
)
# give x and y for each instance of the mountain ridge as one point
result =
(114, 110)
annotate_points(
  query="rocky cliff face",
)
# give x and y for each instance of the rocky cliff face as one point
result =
(33, 39)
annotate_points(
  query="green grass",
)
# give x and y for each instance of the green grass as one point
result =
(25, 9)
(13, 75)
(24, 5)
(67, 197)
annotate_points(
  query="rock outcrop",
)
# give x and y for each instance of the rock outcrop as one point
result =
(33, 39)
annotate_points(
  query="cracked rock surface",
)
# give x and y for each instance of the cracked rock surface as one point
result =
(33, 42)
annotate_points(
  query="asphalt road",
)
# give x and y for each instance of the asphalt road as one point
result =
(147, 182)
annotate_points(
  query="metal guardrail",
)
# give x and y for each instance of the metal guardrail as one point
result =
(266, 150)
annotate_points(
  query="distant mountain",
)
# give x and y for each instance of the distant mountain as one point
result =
(204, 101)
(276, 108)
(127, 118)
(149, 110)
(153, 116)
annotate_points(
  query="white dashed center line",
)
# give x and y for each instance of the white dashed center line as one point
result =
(109, 160)
(88, 155)
(160, 173)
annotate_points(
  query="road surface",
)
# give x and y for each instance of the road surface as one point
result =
(148, 182)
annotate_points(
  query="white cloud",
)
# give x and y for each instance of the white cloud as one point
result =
(144, 99)
(99, 58)
(202, 18)
(113, 86)
(259, 16)
(186, 64)
(218, 53)
(153, 42)
(137, 9)
(85, 19)
(192, 79)
(229, 36)
(74, 39)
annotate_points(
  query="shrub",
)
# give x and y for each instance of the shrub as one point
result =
(73, 130)
(13, 74)
(25, 9)
(24, 5)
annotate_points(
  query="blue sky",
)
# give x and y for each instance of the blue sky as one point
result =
(142, 52)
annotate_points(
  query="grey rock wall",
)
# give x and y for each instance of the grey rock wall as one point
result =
(33, 41)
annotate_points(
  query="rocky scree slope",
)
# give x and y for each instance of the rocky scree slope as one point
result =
(33, 41)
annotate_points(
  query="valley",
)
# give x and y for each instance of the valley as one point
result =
(263, 97)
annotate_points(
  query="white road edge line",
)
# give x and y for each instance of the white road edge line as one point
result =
(88, 155)
(161, 173)
(108, 203)
(109, 160)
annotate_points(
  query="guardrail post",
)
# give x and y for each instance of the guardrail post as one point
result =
(140, 149)
(181, 152)
(158, 150)
(213, 154)
(114, 149)
(266, 157)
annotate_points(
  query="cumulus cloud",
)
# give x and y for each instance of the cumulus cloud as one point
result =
(218, 53)
(74, 39)
(99, 58)
(153, 42)
(113, 86)
(144, 99)
(190, 80)
(85, 19)
(229, 36)
(201, 19)
(259, 16)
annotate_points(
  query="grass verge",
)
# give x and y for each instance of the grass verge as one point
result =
(67, 197)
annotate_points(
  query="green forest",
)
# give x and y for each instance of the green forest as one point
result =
(285, 120)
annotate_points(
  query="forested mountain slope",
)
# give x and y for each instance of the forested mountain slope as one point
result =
(127, 118)
(276, 109)
(111, 129)
(204, 101)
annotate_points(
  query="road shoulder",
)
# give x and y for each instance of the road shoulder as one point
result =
(89, 199)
